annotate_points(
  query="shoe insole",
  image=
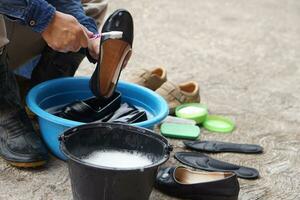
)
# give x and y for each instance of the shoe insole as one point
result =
(204, 162)
(183, 131)
(217, 147)
(115, 54)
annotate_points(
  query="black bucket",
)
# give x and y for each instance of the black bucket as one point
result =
(93, 182)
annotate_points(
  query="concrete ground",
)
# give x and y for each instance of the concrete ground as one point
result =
(245, 55)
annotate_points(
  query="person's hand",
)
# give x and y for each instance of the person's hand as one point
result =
(93, 47)
(65, 33)
(93, 44)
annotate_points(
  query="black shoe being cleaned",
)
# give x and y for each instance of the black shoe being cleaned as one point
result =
(187, 184)
(114, 53)
(19, 144)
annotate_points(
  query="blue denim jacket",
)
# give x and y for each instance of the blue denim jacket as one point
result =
(38, 13)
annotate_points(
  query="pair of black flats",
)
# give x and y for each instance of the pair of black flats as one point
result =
(220, 183)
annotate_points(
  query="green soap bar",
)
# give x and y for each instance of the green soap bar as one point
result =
(182, 131)
(218, 124)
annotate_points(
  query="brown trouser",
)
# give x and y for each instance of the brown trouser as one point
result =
(20, 50)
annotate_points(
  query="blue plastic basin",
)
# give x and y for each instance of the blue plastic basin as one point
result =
(65, 90)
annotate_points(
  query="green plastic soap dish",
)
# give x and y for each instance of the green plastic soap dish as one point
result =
(220, 124)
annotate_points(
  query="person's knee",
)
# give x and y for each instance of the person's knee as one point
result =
(95, 9)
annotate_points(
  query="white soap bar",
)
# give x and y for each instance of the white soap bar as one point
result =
(177, 120)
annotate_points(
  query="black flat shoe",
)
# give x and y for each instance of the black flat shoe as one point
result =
(90, 110)
(187, 184)
(19, 144)
(114, 54)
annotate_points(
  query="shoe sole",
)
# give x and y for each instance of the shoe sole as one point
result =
(116, 53)
(27, 165)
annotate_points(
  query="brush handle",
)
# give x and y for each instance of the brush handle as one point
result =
(95, 36)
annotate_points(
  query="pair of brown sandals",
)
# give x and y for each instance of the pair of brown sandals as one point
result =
(175, 94)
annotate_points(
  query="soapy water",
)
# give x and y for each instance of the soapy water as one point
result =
(149, 115)
(119, 159)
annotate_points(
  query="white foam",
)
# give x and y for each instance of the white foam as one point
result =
(192, 110)
(118, 159)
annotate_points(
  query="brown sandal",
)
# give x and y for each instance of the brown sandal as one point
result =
(176, 95)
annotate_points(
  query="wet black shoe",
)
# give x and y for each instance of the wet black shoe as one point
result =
(90, 110)
(187, 184)
(114, 54)
(19, 144)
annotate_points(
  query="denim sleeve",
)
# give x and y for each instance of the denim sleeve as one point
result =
(34, 13)
(74, 7)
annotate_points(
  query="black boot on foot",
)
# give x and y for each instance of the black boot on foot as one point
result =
(19, 144)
